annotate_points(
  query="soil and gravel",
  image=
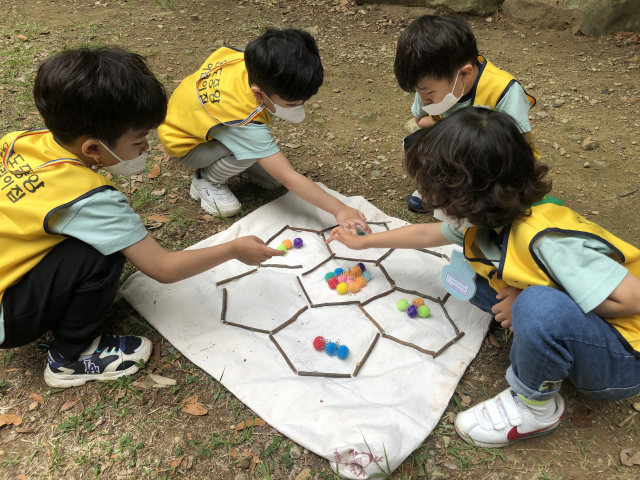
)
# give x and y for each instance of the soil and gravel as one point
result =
(586, 125)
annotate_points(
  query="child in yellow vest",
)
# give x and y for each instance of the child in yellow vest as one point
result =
(66, 231)
(568, 289)
(438, 59)
(218, 121)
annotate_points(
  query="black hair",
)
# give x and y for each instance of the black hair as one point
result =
(102, 92)
(476, 165)
(434, 46)
(286, 63)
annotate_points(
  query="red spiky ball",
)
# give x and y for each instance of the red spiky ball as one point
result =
(319, 343)
(333, 283)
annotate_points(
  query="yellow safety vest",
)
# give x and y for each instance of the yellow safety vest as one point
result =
(37, 178)
(217, 95)
(519, 267)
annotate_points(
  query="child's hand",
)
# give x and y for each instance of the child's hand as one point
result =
(347, 237)
(502, 310)
(253, 251)
(350, 218)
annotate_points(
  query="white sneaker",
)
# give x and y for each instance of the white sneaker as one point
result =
(503, 420)
(214, 199)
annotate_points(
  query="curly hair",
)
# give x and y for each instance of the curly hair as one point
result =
(476, 165)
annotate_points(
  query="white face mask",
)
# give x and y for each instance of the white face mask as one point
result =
(126, 167)
(459, 223)
(293, 114)
(447, 102)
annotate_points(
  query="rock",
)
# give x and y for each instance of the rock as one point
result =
(188, 52)
(411, 126)
(241, 476)
(195, 17)
(586, 165)
(558, 103)
(576, 138)
(433, 472)
(595, 212)
(590, 145)
(375, 174)
(475, 7)
(636, 406)
(562, 151)
(488, 19)
(542, 114)
(313, 31)
(589, 17)
(295, 452)
(244, 463)
(336, 90)
(304, 474)
(163, 77)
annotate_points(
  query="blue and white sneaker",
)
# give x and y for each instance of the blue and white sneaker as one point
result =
(107, 358)
(414, 201)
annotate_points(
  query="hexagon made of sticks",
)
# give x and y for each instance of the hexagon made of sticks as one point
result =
(403, 266)
(312, 252)
(319, 292)
(344, 324)
(253, 300)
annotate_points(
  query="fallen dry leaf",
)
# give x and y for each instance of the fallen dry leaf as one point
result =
(494, 341)
(22, 476)
(169, 69)
(234, 453)
(628, 459)
(195, 409)
(159, 192)
(154, 172)
(158, 218)
(68, 405)
(583, 417)
(33, 405)
(451, 416)
(120, 394)
(10, 419)
(465, 399)
(37, 397)
(207, 218)
(258, 422)
(187, 462)
(25, 430)
(176, 462)
(22, 38)
(188, 400)
(162, 382)
(155, 354)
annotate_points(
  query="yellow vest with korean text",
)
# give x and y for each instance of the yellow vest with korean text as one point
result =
(519, 266)
(217, 95)
(37, 178)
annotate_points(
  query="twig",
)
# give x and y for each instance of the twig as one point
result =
(407, 344)
(224, 305)
(279, 232)
(377, 223)
(324, 240)
(384, 256)
(277, 265)
(371, 318)
(334, 304)
(630, 193)
(366, 355)
(358, 260)
(304, 291)
(446, 314)
(380, 295)
(283, 354)
(445, 298)
(627, 419)
(384, 270)
(222, 282)
(448, 344)
(430, 252)
(290, 321)
(297, 229)
(329, 228)
(423, 295)
(246, 327)
(322, 374)
(329, 258)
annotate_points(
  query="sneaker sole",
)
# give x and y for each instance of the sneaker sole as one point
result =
(61, 380)
(470, 441)
(212, 210)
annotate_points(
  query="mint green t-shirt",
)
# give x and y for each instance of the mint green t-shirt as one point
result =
(579, 263)
(103, 220)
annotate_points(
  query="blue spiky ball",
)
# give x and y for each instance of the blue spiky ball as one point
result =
(366, 275)
(338, 271)
(331, 348)
(343, 351)
(412, 311)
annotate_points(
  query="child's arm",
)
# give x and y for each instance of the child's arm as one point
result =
(169, 267)
(425, 122)
(624, 301)
(279, 168)
(421, 235)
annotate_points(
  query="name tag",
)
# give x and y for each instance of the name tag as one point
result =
(459, 278)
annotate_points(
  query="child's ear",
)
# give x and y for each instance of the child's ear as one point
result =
(466, 73)
(257, 93)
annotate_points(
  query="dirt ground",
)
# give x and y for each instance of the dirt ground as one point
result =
(587, 89)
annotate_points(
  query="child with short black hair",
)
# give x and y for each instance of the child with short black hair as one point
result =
(66, 231)
(568, 289)
(218, 121)
(438, 59)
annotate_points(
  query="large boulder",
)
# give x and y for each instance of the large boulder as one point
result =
(475, 7)
(589, 17)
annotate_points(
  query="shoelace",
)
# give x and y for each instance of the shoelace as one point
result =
(221, 191)
(109, 344)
